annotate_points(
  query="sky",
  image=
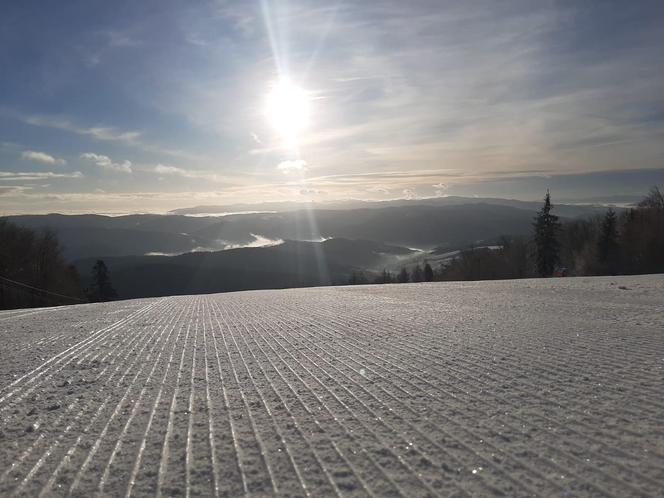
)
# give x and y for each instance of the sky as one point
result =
(129, 106)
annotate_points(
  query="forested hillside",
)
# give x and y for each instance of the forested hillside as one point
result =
(33, 271)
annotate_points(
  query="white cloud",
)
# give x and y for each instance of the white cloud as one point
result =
(293, 166)
(106, 162)
(169, 170)
(109, 133)
(37, 175)
(186, 173)
(41, 157)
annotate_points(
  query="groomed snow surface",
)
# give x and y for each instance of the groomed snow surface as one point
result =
(519, 388)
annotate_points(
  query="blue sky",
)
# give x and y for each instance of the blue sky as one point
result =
(154, 105)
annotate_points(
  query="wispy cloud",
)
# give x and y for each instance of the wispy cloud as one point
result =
(293, 166)
(185, 173)
(106, 162)
(169, 170)
(36, 175)
(426, 96)
(477, 89)
(14, 190)
(121, 39)
(106, 133)
(42, 157)
(101, 133)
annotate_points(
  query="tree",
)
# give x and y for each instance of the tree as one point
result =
(403, 276)
(33, 271)
(607, 245)
(384, 278)
(101, 289)
(546, 227)
(654, 200)
(428, 272)
(418, 274)
(642, 236)
(514, 252)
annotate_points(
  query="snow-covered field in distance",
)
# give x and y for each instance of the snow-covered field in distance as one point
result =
(515, 388)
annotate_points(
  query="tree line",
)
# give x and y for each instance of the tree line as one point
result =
(626, 244)
(33, 271)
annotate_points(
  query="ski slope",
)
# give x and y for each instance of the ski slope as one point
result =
(512, 388)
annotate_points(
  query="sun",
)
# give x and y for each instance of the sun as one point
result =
(287, 109)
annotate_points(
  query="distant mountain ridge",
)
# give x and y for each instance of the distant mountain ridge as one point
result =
(419, 225)
(571, 210)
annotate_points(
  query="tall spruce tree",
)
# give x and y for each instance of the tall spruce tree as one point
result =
(607, 246)
(546, 228)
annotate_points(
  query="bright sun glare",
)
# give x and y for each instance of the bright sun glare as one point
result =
(287, 110)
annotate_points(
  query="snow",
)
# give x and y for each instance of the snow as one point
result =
(520, 388)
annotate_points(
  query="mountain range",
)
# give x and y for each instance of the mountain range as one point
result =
(443, 223)
(152, 254)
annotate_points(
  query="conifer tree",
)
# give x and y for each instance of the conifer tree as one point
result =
(607, 246)
(403, 276)
(546, 228)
